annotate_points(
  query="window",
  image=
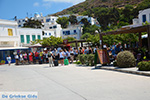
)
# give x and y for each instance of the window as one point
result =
(39, 37)
(33, 38)
(75, 37)
(49, 33)
(54, 26)
(144, 18)
(28, 39)
(50, 27)
(19, 25)
(74, 31)
(19, 21)
(23, 20)
(47, 20)
(66, 32)
(10, 32)
(22, 38)
(45, 33)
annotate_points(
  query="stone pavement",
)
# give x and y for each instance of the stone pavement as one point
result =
(74, 82)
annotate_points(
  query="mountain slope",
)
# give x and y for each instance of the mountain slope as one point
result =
(89, 4)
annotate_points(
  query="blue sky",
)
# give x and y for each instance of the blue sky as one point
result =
(20, 8)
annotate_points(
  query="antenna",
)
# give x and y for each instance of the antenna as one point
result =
(27, 14)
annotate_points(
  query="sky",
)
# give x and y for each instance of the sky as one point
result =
(23, 8)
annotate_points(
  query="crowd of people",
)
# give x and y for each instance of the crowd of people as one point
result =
(113, 50)
(50, 55)
(59, 54)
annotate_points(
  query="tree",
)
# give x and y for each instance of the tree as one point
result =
(69, 40)
(90, 29)
(127, 14)
(85, 22)
(63, 21)
(94, 40)
(103, 17)
(36, 41)
(86, 36)
(31, 23)
(52, 41)
(73, 19)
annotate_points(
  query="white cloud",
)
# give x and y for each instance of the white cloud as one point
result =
(47, 5)
(68, 1)
(36, 4)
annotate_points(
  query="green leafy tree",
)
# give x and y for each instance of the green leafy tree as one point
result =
(72, 19)
(86, 36)
(90, 29)
(69, 40)
(63, 21)
(127, 14)
(85, 22)
(52, 41)
(103, 17)
(94, 40)
(36, 41)
(31, 23)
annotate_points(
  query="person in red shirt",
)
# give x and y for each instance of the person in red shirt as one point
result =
(30, 57)
(36, 56)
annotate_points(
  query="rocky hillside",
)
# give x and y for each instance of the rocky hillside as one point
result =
(90, 4)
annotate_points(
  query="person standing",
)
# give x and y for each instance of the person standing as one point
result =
(75, 54)
(46, 56)
(50, 58)
(71, 55)
(61, 56)
(36, 57)
(30, 57)
(9, 60)
(17, 59)
(21, 58)
(25, 57)
(90, 50)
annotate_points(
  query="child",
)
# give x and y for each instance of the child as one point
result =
(9, 60)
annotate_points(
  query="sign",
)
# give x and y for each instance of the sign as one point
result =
(103, 56)
(65, 41)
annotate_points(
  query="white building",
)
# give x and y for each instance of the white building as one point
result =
(8, 33)
(26, 35)
(72, 31)
(51, 30)
(91, 20)
(12, 36)
(144, 15)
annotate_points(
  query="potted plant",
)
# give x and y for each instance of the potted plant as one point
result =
(2, 62)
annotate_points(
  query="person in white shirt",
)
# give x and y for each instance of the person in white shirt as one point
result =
(71, 55)
(51, 63)
(61, 57)
(17, 59)
(9, 60)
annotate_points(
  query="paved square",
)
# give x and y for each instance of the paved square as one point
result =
(74, 83)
